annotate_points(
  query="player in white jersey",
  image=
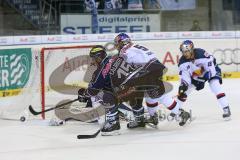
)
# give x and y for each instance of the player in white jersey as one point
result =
(196, 67)
(148, 77)
(100, 90)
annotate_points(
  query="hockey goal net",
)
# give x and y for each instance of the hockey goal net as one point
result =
(63, 71)
(56, 75)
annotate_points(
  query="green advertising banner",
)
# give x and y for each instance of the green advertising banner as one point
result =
(15, 67)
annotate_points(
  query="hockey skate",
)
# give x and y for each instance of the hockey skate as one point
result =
(226, 113)
(152, 120)
(138, 122)
(185, 116)
(111, 128)
(139, 119)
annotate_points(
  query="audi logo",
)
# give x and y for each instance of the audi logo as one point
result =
(227, 56)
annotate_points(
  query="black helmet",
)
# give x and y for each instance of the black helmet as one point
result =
(98, 53)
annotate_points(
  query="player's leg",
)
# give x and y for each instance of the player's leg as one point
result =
(152, 106)
(216, 88)
(108, 100)
(173, 106)
(160, 94)
(112, 124)
(138, 112)
(124, 111)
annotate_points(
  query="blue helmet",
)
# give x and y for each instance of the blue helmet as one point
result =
(121, 40)
(187, 45)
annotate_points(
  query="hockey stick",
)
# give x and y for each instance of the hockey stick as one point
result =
(49, 109)
(87, 136)
(121, 108)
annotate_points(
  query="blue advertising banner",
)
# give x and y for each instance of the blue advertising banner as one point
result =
(115, 23)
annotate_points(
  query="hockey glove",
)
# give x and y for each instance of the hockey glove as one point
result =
(198, 84)
(182, 96)
(81, 91)
(81, 95)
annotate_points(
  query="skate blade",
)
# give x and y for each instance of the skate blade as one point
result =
(227, 119)
(113, 133)
(188, 122)
(152, 125)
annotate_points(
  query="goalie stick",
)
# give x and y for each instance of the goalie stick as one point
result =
(49, 109)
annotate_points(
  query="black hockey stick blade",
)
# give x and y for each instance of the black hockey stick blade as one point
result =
(33, 111)
(82, 136)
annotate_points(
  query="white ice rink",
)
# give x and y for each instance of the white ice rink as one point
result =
(207, 137)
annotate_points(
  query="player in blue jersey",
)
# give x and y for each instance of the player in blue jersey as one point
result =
(100, 90)
(196, 67)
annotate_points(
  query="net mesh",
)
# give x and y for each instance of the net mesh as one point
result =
(56, 74)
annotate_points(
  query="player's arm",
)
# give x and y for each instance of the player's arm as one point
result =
(185, 80)
(94, 87)
(208, 66)
(198, 77)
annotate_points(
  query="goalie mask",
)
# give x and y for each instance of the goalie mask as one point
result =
(97, 53)
(186, 48)
(121, 40)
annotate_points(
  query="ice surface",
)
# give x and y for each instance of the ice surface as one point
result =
(207, 137)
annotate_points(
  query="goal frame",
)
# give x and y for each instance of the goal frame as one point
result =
(42, 69)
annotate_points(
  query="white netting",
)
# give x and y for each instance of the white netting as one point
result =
(64, 72)
(15, 106)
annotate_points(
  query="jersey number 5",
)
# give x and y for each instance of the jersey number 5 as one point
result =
(141, 47)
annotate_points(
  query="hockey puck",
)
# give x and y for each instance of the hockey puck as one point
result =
(22, 119)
